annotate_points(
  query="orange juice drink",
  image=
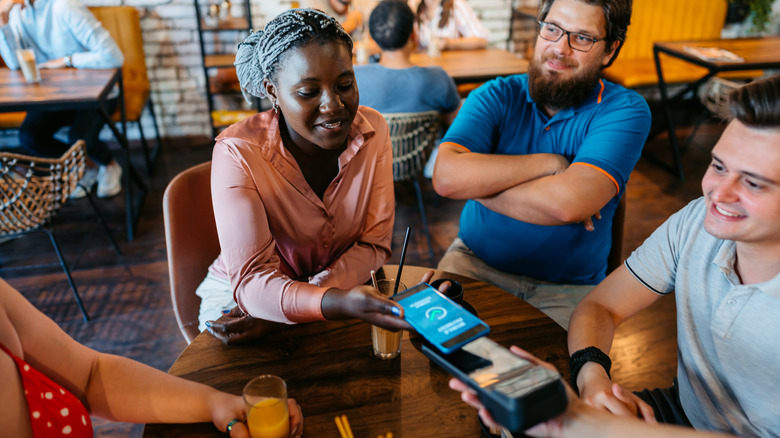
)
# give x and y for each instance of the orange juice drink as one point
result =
(269, 419)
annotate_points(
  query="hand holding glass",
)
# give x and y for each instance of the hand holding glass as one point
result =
(267, 416)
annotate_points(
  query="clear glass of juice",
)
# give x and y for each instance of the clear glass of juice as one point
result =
(267, 416)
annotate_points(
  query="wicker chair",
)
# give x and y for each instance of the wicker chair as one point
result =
(414, 136)
(33, 189)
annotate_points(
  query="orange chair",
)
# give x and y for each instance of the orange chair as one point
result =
(124, 25)
(666, 20)
(191, 239)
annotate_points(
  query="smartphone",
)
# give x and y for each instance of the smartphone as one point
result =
(517, 393)
(438, 319)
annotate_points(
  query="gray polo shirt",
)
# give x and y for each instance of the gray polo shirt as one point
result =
(728, 334)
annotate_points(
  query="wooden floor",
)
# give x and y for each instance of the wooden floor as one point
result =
(128, 295)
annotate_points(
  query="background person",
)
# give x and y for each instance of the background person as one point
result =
(425, 88)
(537, 155)
(451, 23)
(720, 255)
(51, 384)
(63, 34)
(350, 18)
(303, 193)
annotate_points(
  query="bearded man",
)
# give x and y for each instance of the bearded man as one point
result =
(543, 160)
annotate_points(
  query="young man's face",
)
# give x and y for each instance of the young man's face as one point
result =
(742, 186)
(559, 61)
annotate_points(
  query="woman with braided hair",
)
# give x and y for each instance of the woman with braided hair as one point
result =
(303, 193)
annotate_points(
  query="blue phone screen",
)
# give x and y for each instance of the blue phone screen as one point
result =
(438, 319)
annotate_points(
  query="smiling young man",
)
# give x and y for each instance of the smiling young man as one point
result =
(721, 257)
(543, 159)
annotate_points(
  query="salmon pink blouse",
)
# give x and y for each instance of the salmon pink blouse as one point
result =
(283, 246)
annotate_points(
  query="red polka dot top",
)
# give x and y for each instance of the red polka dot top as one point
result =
(54, 411)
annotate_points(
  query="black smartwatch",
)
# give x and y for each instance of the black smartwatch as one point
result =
(68, 61)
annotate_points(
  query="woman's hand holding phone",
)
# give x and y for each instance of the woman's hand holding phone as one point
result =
(366, 303)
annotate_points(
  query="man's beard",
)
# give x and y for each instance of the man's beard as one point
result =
(555, 93)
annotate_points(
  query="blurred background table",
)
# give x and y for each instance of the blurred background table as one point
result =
(74, 89)
(466, 66)
(756, 54)
(330, 370)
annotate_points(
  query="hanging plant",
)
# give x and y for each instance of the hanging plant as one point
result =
(759, 12)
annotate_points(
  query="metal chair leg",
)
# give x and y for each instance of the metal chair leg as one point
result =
(421, 207)
(156, 150)
(67, 274)
(145, 145)
(103, 223)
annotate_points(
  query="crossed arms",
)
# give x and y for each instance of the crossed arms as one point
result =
(537, 188)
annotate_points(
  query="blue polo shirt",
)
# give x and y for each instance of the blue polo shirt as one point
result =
(606, 132)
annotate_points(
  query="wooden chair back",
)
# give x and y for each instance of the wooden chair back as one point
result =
(124, 25)
(191, 240)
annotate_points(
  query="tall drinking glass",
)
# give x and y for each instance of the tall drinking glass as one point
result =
(267, 416)
(26, 58)
(386, 343)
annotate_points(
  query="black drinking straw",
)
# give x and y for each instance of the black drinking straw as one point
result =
(401, 264)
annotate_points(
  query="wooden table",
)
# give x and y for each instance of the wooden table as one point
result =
(474, 65)
(74, 89)
(757, 53)
(330, 370)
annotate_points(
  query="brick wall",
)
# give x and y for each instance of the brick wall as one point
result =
(174, 60)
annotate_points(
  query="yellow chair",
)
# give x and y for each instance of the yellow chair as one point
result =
(124, 25)
(667, 20)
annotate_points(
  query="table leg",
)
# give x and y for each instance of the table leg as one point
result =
(677, 166)
(131, 174)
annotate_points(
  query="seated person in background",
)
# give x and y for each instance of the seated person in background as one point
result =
(63, 34)
(303, 193)
(452, 24)
(537, 155)
(720, 255)
(424, 88)
(581, 420)
(51, 384)
(350, 19)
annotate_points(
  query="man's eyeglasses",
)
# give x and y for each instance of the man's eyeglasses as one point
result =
(577, 41)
